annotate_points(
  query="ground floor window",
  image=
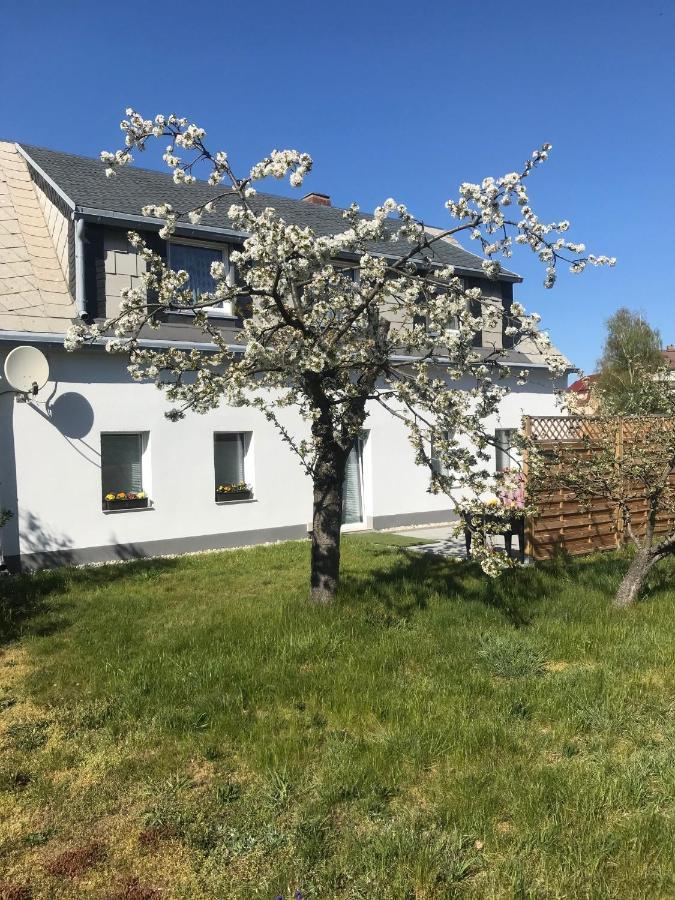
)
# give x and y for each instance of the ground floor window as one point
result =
(352, 487)
(122, 470)
(504, 455)
(230, 451)
(435, 454)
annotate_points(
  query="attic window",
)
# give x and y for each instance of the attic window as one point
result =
(196, 260)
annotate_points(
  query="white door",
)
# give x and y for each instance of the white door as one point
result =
(352, 487)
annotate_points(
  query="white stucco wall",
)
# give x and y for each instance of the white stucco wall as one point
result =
(399, 487)
(50, 464)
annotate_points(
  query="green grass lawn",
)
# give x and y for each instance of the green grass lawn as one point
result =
(193, 728)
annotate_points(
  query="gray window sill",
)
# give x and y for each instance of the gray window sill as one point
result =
(116, 512)
(235, 502)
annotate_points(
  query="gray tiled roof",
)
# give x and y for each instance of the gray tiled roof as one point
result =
(82, 179)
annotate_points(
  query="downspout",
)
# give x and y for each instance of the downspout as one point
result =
(80, 293)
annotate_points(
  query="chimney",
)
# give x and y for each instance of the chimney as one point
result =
(318, 199)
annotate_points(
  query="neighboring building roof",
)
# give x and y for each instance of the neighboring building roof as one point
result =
(583, 385)
(583, 400)
(83, 181)
(34, 293)
(669, 356)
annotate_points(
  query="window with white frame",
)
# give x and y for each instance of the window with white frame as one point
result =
(196, 260)
(122, 479)
(352, 485)
(435, 455)
(504, 449)
(230, 451)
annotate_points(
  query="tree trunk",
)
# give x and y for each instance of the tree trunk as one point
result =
(634, 579)
(326, 523)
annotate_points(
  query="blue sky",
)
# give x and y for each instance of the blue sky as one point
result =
(396, 99)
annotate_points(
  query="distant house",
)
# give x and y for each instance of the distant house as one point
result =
(582, 398)
(669, 356)
(92, 432)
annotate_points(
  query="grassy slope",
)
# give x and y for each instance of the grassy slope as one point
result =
(194, 726)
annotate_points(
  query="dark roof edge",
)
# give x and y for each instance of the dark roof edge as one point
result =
(41, 172)
(53, 337)
(56, 337)
(110, 217)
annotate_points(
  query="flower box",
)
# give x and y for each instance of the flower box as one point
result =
(130, 501)
(228, 496)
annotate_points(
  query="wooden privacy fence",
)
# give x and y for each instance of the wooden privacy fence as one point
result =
(563, 523)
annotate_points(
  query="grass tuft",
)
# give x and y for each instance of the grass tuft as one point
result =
(510, 655)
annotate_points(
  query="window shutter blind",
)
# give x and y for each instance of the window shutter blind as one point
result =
(121, 462)
(229, 458)
(135, 472)
(352, 511)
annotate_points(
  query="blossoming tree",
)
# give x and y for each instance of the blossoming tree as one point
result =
(321, 335)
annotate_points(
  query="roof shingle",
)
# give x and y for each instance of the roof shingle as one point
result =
(34, 293)
(82, 179)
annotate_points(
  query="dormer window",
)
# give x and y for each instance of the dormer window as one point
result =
(195, 259)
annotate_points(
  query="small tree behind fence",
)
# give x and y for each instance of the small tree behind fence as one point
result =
(594, 481)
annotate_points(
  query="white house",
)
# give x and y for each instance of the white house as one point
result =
(92, 431)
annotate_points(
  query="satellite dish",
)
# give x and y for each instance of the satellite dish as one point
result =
(26, 369)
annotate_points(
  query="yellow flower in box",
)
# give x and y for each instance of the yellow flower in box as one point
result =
(140, 495)
(109, 496)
